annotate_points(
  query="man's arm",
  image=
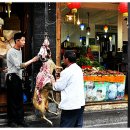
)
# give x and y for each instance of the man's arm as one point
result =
(24, 65)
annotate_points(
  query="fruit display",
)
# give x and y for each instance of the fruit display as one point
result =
(96, 71)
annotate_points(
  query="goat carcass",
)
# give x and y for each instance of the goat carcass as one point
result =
(44, 81)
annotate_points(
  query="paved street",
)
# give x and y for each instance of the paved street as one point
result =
(99, 119)
(106, 119)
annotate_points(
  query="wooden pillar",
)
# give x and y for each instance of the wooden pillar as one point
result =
(119, 44)
(58, 41)
(128, 66)
(58, 34)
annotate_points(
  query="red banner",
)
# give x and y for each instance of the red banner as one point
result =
(106, 78)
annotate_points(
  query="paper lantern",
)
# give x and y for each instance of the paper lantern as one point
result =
(123, 8)
(73, 6)
(82, 26)
(69, 16)
(80, 39)
(106, 28)
(88, 30)
(68, 38)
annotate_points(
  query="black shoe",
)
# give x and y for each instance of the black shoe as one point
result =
(23, 124)
(12, 124)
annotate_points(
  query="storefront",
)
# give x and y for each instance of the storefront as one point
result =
(107, 38)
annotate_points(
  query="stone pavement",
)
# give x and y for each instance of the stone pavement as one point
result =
(96, 119)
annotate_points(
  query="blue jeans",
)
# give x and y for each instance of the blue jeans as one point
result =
(72, 118)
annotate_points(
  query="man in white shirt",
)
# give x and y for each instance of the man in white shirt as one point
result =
(71, 86)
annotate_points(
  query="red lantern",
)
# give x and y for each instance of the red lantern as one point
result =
(123, 8)
(73, 6)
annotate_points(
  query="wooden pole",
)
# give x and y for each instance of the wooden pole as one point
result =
(58, 41)
(128, 74)
(58, 34)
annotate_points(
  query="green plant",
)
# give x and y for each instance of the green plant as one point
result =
(96, 64)
(84, 61)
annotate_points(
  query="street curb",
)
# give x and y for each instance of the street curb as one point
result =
(106, 106)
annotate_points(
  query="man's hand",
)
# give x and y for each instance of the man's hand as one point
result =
(24, 65)
(5, 70)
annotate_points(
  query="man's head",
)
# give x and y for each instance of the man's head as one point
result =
(69, 57)
(19, 39)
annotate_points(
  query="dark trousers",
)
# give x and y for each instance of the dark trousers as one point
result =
(72, 118)
(15, 110)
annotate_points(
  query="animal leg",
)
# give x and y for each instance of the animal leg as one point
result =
(52, 112)
(50, 122)
(53, 98)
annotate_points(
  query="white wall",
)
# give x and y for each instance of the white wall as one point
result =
(75, 32)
